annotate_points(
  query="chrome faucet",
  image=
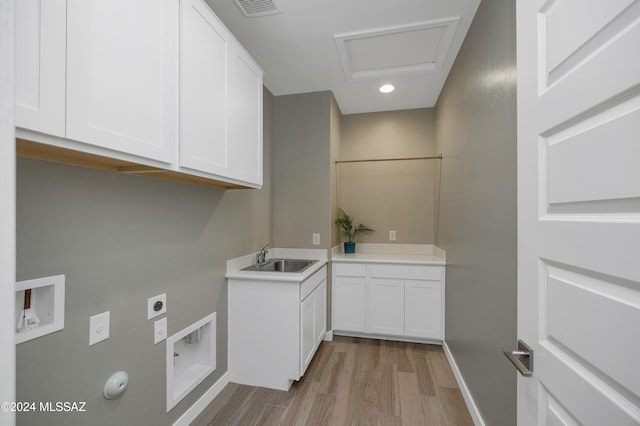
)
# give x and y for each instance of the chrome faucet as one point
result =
(261, 256)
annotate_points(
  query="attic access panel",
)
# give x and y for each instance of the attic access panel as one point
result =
(407, 49)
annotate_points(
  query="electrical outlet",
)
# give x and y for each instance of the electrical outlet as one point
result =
(392, 235)
(156, 306)
(99, 327)
(316, 239)
(159, 330)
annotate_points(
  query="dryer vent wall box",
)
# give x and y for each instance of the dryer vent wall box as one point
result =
(39, 307)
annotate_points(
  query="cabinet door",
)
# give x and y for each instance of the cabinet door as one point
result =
(122, 75)
(387, 306)
(349, 303)
(320, 311)
(313, 324)
(40, 65)
(204, 46)
(423, 309)
(245, 117)
(307, 327)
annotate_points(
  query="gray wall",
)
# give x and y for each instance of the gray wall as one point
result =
(396, 195)
(476, 132)
(120, 239)
(301, 199)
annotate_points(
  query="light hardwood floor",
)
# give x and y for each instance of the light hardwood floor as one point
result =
(352, 381)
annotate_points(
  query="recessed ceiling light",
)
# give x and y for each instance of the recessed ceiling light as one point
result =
(387, 88)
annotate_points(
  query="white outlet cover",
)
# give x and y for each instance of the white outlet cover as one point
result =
(99, 327)
(392, 235)
(151, 303)
(159, 330)
(316, 239)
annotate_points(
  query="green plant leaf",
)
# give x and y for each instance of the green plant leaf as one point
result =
(345, 223)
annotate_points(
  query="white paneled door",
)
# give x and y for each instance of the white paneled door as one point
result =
(579, 210)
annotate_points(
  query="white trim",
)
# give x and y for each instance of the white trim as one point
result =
(7, 213)
(201, 404)
(466, 394)
(396, 338)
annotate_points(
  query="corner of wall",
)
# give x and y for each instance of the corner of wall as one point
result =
(334, 155)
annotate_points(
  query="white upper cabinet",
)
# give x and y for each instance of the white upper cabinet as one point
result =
(40, 65)
(122, 75)
(245, 117)
(221, 99)
(160, 86)
(203, 89)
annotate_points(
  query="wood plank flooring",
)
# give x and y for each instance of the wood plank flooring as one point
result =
(352, 381)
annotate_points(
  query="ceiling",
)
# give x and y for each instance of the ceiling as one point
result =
(352, 47)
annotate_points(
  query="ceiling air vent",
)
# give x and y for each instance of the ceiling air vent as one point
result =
(253, 8)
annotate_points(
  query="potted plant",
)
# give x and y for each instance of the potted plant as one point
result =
(345, 223)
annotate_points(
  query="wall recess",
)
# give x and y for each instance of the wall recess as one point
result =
(39, 307)
(191, 357)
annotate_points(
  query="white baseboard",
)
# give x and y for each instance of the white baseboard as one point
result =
(386, 337)
(468, 399)
(202, 403)
(328, 336)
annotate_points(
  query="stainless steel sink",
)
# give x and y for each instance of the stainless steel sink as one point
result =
(281, 265)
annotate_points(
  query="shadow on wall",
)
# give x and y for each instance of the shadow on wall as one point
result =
(111, 207)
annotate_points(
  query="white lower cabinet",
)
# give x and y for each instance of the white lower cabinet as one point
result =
(386, 307)
(275, 328)
(313, 324)
(307, 316)
(320, 320)
(390, 300)
(348, 303)
(423, 309)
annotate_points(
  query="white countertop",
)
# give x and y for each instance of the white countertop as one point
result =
(422, 254)
(234, 266)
